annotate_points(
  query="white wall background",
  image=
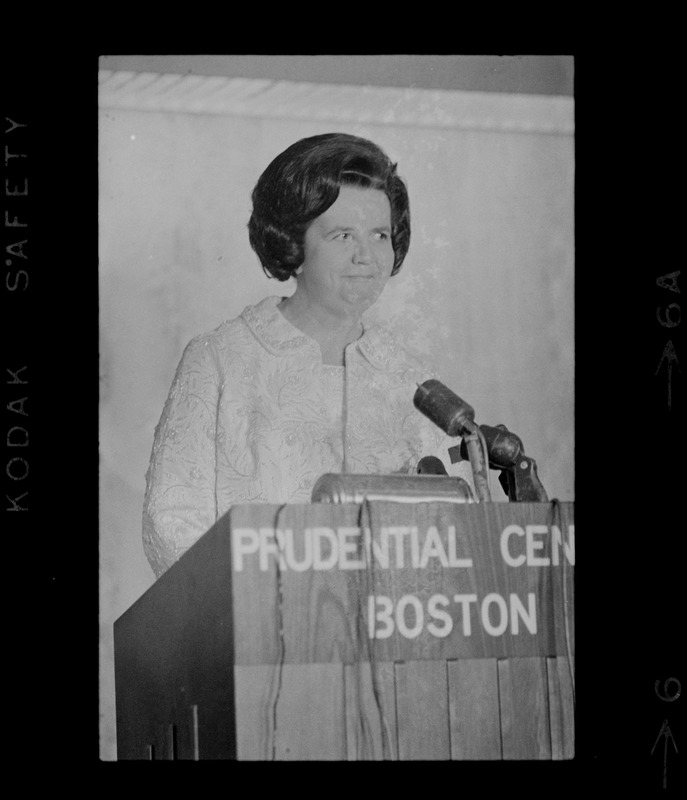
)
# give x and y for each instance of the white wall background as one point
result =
(486, 290)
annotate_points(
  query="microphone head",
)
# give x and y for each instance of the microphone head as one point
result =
(444, 408)
(504, 447)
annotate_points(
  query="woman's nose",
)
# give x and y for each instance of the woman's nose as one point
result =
(362, 253)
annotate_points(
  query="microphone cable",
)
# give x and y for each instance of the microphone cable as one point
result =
(280, 626)
(366, 507)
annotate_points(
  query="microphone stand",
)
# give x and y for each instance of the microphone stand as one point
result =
(518, 476)
(471, 438)
(521, 482)
(503, 449)
(456, 418)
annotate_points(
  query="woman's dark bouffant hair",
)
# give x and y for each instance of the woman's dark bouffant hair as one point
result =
(304, 181)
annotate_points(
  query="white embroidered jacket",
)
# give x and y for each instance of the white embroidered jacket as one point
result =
(249, 420)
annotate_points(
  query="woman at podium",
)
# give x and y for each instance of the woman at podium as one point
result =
(297, 386)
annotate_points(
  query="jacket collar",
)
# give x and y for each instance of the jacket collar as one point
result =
(277, 335)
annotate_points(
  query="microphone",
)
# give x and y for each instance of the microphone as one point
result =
(504, 448)
(456, 418)
(446, 410)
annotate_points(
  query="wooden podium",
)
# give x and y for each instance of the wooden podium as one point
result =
(357, 632)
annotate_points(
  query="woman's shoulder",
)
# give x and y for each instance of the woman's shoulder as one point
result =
(225, 333)
(231, 329)
(212, 350)
(387, 350)
(258, 328)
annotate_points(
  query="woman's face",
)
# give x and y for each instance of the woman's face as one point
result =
(348, 253)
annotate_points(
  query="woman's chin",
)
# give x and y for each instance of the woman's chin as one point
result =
(360, 292)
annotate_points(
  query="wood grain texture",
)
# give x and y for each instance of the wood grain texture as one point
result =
(371, 725)
(523, 698)
(422, 708)
(290, 713)
(562, 707)
(474, 710)
(278, 663)
(321, 608)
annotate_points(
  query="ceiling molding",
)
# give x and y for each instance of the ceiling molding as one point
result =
(433, 108)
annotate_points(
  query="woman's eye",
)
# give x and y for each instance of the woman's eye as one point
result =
(343, 235)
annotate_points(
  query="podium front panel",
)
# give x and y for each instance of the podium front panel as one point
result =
(373, 631)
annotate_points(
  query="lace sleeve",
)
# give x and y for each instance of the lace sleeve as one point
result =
(180, 502)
